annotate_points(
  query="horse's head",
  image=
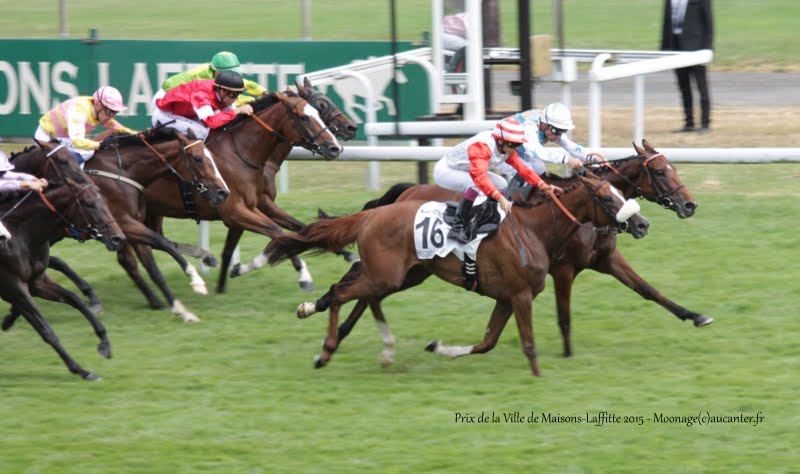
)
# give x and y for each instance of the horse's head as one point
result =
(616, 209)
(86, 212)
(663, 185)
(206, 178)
(335, 119)
(305, 128)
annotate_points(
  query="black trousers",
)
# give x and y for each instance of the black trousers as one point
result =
(684, 76)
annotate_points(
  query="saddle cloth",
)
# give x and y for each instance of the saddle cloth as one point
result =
(430, 233)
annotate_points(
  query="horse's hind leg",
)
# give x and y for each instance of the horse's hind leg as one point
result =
(155, 223)
(522, 313)
(45, 287)
(23, 301)
(127, 259)
(497, 322)
(61, 266)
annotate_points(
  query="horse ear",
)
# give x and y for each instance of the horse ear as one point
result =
(307, 82)
(38, 142)
(300, 88)
(647, 146)
(638, 149)
(190, 134)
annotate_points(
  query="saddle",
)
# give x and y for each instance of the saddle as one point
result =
(484, 218)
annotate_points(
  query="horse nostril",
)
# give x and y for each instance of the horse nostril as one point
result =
(117, 241)
(223, 193)
(690, 206)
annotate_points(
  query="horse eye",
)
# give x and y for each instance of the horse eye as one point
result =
(661, 173)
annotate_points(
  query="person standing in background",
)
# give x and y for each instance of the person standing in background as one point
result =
(689, 26)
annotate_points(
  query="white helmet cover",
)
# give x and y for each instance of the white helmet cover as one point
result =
(558, 115)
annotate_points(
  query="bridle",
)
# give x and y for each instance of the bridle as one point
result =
(306, 142)
(663, 197)
(89, 230)
(196, 183)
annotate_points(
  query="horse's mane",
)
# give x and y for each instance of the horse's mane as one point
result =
(265, 101)
(26, 150)
(537, 198)
(153, 136)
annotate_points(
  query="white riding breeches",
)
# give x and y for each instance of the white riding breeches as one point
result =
(460, 180)
(85, 155)
(181, 124)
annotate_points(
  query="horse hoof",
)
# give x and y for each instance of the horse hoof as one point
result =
(305, 310)
(431, 347)
(235, 269)
(307, 286)
(97, 309)
(200, 288)
(210, 261)
(318, 364)
(104, 348)
(702, 320)
(386, 359)
(91, 377)
(351, 257)
(8, 321)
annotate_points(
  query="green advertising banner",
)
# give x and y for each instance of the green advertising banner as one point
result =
(36, 75)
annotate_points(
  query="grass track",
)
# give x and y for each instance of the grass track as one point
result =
(237, 393)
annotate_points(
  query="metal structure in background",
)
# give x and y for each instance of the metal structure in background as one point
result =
(63, 27)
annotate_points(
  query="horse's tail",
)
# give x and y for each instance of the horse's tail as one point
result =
(389, 197)
(323, 235)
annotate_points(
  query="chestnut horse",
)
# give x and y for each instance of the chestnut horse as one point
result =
(70, 200)
(512, 263)
(649, 175)
(344, 128)
(243, 149)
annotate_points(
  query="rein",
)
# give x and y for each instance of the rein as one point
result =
(662, 197)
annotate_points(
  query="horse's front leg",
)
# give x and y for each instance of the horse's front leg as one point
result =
(22, 300)
(47, 288)
(255, 221)
(616, 265)
(145, 255)
(127, 260)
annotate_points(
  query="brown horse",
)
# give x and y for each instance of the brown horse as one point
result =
(512, 264)
(649, 175)
(126, 168)
(70, 200)
(243, 149)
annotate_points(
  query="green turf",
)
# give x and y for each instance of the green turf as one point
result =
(237, 392)
(747, 34)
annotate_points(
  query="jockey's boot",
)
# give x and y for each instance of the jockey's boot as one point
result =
(460, 230)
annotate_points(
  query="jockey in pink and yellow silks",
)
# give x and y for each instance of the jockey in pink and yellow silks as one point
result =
(70, 121)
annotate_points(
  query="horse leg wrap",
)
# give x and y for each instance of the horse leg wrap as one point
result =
(470, 272)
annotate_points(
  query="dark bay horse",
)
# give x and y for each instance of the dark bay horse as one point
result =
(124, 170)
(512, 263)
(71, 200)
(243, 149)
(649, 175)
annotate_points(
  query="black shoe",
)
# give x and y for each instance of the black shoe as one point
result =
(703, 130)
(685, 129)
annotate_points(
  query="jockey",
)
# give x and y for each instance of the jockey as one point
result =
(202, 104)
(465, 168)
(547, 125)
(70, 121)
(222, 61)
(11, 181)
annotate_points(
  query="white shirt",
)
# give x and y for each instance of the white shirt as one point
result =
(678, 15)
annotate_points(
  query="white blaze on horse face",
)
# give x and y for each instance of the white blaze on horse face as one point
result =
(208, 154)
(313, 114)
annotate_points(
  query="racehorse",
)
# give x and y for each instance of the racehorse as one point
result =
(343, 128)
(243, 147)
(648, 174)
(125, 168)
(72, 200)
(512, 264)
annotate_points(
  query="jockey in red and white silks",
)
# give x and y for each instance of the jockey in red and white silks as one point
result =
(202, 104)
(465, 168)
